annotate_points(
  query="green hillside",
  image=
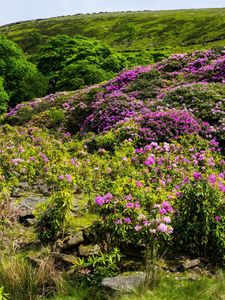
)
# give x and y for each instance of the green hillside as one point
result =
(179, 30)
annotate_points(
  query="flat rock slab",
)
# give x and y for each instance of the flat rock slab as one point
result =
(27, 203)
(89, 250)
(125, 282)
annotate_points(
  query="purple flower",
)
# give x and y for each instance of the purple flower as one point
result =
(197, 176)
(127, 220)
(149, 161)
(130, 205)
(99, 200)
(166, 220)
(61, 177)
(217, 218)
(212, 178)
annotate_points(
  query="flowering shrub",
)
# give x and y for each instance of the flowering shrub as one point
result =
(125, 220)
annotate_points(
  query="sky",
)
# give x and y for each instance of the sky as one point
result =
(21, 10)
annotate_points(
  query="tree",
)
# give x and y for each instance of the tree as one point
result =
(4, 98)
(77, 75)
(22, 80)
(62, 56)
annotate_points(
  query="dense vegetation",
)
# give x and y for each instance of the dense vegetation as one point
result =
(179, 30)
(134, 163)
(113, 167)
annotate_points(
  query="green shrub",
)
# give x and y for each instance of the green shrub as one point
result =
(199, 225)
(53, 220)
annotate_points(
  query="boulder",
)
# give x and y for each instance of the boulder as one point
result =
(89, 250)
(189, 264)
(125, 282)
(73, 241)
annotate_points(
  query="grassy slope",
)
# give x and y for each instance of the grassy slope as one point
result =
(181, 29)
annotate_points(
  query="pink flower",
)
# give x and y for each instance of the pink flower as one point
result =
(137, 228)
(217, 218)
(130, 205)
(61, 177)
(162, 227)
(166, 220)
(68, 177)
(99, 200)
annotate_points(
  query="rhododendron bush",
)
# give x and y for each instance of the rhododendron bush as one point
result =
(142, 151)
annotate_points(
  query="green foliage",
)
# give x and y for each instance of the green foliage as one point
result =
(3, 296)
(95, 268)
(77, 75)
(147, 85)
(73, 62)
(4, 98)
(22, 81)
(52, 221)
(199, 227)
(179, 30)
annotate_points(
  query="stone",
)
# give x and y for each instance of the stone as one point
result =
(26, 205)
(24, 186)
(89, 250)
(68, 258)
(73, 241)
(125, 282)
(189, 264)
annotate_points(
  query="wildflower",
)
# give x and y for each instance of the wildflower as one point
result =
(197, 176)
(118, 222)
(166, 220)
(217, 218)
(127, 220)
(149, 161)
(162, 227)
(137, 228)
(68, 177)
(61, 177)
(99, 200)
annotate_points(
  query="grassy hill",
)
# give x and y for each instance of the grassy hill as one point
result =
(179, 30)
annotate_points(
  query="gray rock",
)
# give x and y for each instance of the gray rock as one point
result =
(89, 250)
(74, 240)
(189, 264)
(24, 186)
(125, 282)
(25, 205)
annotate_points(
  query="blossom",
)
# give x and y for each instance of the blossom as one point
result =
(197, 176)
(217, 218)
(162, 227)
(166, 220)
(99, 200)
(118, 222)
(138, 228)
(68, 177)
(149, 161)
(127, 220)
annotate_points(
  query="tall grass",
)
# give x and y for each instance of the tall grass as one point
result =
(23, 281)
(204, 288)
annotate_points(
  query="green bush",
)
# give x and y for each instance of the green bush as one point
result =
(199, 228)
(77, 75)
